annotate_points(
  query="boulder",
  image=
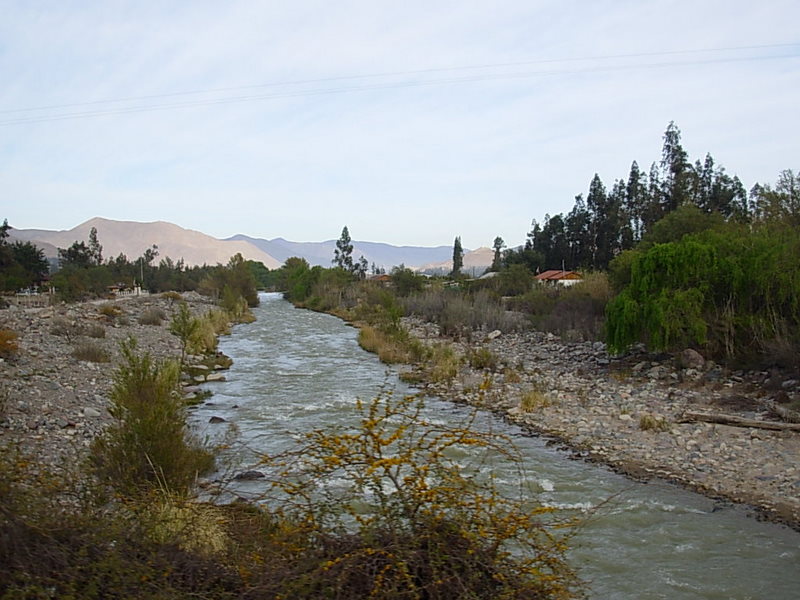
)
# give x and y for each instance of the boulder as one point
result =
(691, 359)
(216, 419)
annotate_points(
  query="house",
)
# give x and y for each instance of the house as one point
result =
(559, 277)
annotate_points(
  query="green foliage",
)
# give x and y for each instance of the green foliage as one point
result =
(184, 326)
(482, 358)
(343, 253)
(149, 447)
(458, 257)
(403, 520)
(514, 280)
(406, 281)
(732, 291)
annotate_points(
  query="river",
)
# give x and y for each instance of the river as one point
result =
(295, 370)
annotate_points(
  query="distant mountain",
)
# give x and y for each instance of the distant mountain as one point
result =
(133, 238)
(475, 263)
(321, 253)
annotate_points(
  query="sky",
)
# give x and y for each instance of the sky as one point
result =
(409, 122)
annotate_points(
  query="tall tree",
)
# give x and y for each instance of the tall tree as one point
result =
(95, 249)
(458, 257)
(579, 235)
(343, 253)
(498, 246)
(636, 200)
(676, 169)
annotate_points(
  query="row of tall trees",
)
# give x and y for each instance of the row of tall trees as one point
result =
(607, 222)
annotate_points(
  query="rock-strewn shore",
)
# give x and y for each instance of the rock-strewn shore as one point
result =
(597, 406)
(53, 405)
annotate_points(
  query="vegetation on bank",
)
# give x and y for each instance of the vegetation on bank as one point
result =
(401, 521)
(681, 257)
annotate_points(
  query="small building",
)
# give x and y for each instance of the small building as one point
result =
(384, 279)
(559, 277)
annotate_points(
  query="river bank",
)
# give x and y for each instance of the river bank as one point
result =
(626, 413)
(52, 404)
(621, 413)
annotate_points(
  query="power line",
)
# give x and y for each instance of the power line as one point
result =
(380, 85)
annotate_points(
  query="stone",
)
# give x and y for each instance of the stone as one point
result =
(691, 359)
(215, 377)
(91, 413)
(249, 475)
(494, 335)
(216, 419)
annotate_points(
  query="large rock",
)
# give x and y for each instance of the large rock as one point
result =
(691, 359)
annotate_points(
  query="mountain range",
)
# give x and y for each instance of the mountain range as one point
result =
(132, 238)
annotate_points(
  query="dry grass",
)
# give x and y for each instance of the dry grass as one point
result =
(152, 316)
(9, 347)
(534, 399)
(648, 422)
(91, 352)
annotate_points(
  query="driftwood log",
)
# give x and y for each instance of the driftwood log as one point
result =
(736, 421)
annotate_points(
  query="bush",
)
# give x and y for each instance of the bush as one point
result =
(9, 347)
(403, 520)
(482, 358)
(172, 296)
(95, 331)
(444, 364)
(534, 399)
(110, 311)
(648, 422)
(152, 316)
(731, 292)
(149, 447)
(91, 352)
(459, 314)
(391, 344)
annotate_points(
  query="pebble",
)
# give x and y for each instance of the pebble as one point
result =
(597, 407)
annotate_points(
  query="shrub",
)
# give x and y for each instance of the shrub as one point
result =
(648, 422)
(220, 321)
(391, 344)
(91, 352)
(110, 310)
(149, 446)
(8, 343)
(152, 316)
(405, 521)
(204, 338)
(95, 330)
(172, 297)
(534, 399)
(444, 364)
(482, 358)
(65, 328)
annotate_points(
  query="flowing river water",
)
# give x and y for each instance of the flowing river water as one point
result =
(296, 370)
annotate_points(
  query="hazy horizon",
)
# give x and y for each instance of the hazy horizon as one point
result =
(411, 124)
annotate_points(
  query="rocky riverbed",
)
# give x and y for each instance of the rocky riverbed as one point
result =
(622, 412)
(626, 412)
(52, 403)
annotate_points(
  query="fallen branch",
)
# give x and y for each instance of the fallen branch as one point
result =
(735, 421)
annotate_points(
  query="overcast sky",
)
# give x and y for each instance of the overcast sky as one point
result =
(410, 122)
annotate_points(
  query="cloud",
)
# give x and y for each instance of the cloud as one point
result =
(407, 163)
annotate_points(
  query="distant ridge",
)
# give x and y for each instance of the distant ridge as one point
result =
(321, 253)
(132, 238)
